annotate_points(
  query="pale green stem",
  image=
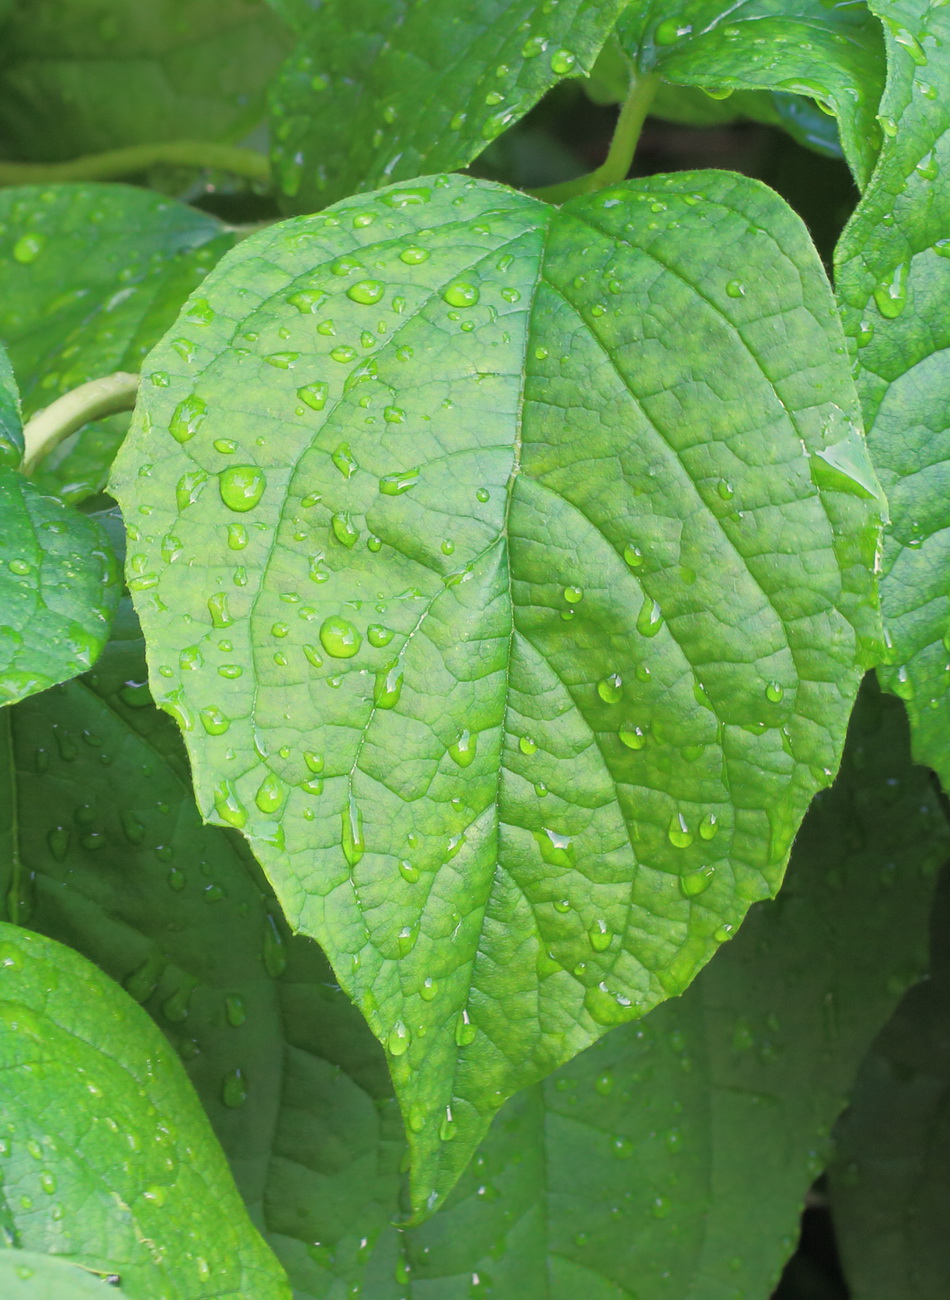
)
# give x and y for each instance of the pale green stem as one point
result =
(622, 145)
(138, 158)
(92, 401)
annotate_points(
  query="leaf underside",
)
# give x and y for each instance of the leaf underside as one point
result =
(521, 558)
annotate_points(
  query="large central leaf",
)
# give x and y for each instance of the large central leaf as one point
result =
(508, 569)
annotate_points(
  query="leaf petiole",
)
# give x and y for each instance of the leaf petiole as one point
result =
(622, 146)
(91, 401)
(106, 166)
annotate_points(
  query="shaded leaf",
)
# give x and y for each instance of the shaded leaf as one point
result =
(831, 53)
(11, 426)
(107, 1157)
(91, 276)
(893, 283)
(889, 1181)
(495, 819)
(59, 588)
(28, 1276)
(83, 76)
(381, 90)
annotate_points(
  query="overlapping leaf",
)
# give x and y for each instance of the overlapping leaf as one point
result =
(81, 76)
(91, 276)
(832, 53)
(25, 1275)
(893, 284)
(11, 426)
(107, 1159)
(508, 570)
(382, 90)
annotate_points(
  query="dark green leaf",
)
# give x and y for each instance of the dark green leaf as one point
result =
(59, 587)
(28, 1276)
(107, 1157)
(893, 285)
(831, 53)
(82, 76)
(91, 276)
(891, 1177)
(381, 90)
(96, 808)
(11, 426)
(523, 610)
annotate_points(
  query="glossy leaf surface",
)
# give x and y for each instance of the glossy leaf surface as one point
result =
(893, 284)
(510, 587)
(11, 426)
(91, 276)
(831, 53)
(107, 1158)
(59, 588)
(383, 90)
(889, 1181)
(82, 76)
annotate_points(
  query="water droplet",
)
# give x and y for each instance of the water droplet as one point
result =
(234, 1091)
(573, 595)
(235, 1009)
(344, 530)
(352, 839)
(774, 693)
(339, 638)
(430, 990)
(622, 1148)
(214, 721)
(367, 292)
(604, 1084)
(695, 883)
(709, 827)
(660, 1207)
(388, 686)
(393, 485)
(631, 736)
(228, 806)
(606, 1007)
(237, 537)
(28, 248)
(344, 460)
(378, 635)
(891, 293)
(633, 555)
(465, 1031)
(563, 62)
(599, 936)
(270, 794)
(413, 255)
(845, 467)
(314, 395)
(218, 609)
(447, 1127)
(399, 1039)
(461, 294)
(527, 745)
(283, 360)
(462, 751)
(650, 618)
(610, 688)
(274, 952)
(670, 30)
(725, 490)
(343, 354)
(680, 836)
(187, 417)
(735, 289)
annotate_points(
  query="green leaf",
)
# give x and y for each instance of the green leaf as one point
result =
(25, 1275)
(831, 53)
(107, 1158)
(83, 76)
(381, 90)
(889, 1179)
(11, 426)
(91, 276)
(59, 587)
(893, 281)
(627, 1173)
(523, 621)
(118, 864)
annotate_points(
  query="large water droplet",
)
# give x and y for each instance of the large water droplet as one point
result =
(314, 395)
(228, 806)
(270, 794)
(845, 467)
(610, 688)
(393, 485)
(399, 1039)
(695, 883)
(632, 736)
(891, 293)
(367, 292)
(388, 686)
(599, 936)
(352, 838)
(214, 721)
(187, 417)
(461, 294)
(462, 751)
(680, 836)
(339, 638)
(344, 460)
(344, 530)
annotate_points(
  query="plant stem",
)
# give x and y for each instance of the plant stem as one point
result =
(92, 401)
(138, 158)
(620, 155)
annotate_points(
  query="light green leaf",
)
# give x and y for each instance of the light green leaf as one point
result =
(381, 90)
(11, 426)
(524, 556)
(119, 865)
(831, 53)
(107, 1158)
(91, 276)
(28, 1276)
(59, 587)
(889, 1181)
(627, 1174)
(893, 285)
(83, 76)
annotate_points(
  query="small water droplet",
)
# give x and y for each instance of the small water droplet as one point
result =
(462, 751)
(774, 693)
(891, 293)
(735, 289)
(695, 883)
(234, 1091)
(399, 1039)
(599, 936)
(388, 686)
(527, 745)
(352, 838)
(680, 836)
(650, 618)
(228, 806)
(314, 395)
(344, 460)
(573, 595)
(563, 62)
(28, 248)
(393, 485)
(610, 688)
(465, 1031)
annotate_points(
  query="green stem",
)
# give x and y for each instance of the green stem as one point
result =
(139, 158)
(620, 155)
(92, 401)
